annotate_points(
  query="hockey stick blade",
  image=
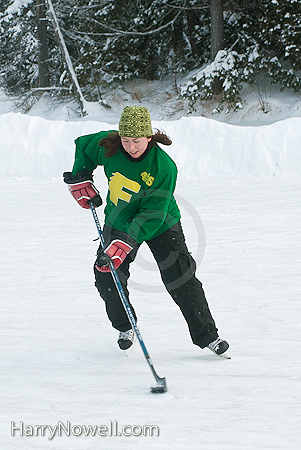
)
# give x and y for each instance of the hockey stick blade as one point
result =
(161, 387)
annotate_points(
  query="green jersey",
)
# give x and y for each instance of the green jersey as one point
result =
(140, 198)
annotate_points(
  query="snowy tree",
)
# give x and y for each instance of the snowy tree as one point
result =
(18, 46)
(29, 57)
(261, 41)
(114, 40)
(118, 40)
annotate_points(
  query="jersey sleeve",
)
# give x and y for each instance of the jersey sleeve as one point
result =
(88, 153)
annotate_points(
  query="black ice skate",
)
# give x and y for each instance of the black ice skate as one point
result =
(219, 347)
(126, 339)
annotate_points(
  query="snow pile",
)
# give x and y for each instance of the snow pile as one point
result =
(202, 148)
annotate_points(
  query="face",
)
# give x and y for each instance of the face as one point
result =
(135, 147)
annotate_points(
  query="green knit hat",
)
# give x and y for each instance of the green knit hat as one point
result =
(135, 121)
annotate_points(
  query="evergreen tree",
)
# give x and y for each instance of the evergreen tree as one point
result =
(118, 40)
(115, 40)
(18, 46)
(20, 49)
(261, 40)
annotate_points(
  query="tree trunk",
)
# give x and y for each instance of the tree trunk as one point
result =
(43, 45)
(217, 35)
(192, 17)
(217, 27)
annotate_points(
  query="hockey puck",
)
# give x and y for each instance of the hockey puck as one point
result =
(159, 389)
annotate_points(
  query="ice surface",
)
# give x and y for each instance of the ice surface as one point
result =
(239, 193)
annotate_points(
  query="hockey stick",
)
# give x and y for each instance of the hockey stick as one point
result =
(161, 386)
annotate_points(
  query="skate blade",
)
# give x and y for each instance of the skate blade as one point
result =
(129, 350)
(225, 355)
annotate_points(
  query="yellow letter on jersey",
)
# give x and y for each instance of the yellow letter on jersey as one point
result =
(116, 185)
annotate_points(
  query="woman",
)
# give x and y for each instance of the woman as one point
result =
(140, 207)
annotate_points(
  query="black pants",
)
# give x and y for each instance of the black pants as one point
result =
(177, 268)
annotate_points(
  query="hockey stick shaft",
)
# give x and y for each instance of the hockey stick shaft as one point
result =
(161, 382)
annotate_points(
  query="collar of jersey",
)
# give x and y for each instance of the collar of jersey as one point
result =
(141, 158)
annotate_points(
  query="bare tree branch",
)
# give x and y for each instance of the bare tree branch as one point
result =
(66, 56)
(188, 8)
(115, 32)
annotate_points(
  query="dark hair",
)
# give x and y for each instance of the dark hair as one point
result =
(113, 142)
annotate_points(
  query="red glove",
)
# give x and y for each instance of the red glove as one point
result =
(82, 188)
(116, 252)
(83, 192)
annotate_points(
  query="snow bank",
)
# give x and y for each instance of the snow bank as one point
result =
(203, 148)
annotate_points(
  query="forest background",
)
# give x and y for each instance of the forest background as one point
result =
(83, 48)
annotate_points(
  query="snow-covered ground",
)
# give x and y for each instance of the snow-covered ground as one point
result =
(239, 193)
